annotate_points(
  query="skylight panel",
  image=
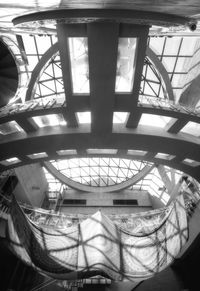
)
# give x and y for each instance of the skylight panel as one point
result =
(38, 155)
(155, 120)
(84, 117)
(49, 120)
(165, 198)
(98, 171)
(192, 128)
(172, 46)
(191, 162)
(66, 152)
(43, 43)
(102, 151)
(187, 47)
(32, 62)
(164, 156)
(136, 152)
(157, 43)
(10, 127)
(125, 64)
(120, 117)
(78, 47)
(29, 44)
(169, 63)
(10, 161)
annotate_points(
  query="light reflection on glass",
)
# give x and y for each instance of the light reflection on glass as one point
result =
(191, 162)
(10, 161)
(38, 155)
(49, 120)
(84, 117)
(136, 152)
(164, 156)
(66, 152)
(120, 117)
(191, 128)
(78, 47)
(10, 127)
(125, 64)
(154, 120)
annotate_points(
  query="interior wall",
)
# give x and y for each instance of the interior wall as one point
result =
(104, 201)
(32, 184)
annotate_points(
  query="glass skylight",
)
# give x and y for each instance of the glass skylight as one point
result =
(10, 127)
(66, 152)
(120, 117)
(10, 161)
(84, 117)
(78, 47)
(49, 120)
(191, 128)
(152, 84)
(154, 120)
(125, 64)
(102, 151)
(136, 152)
(191, 162)
(164, 156)
(176, 54)
(99, 172)
(38, 155)
(50, 82)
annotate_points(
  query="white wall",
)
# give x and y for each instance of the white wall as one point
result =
(32, 184)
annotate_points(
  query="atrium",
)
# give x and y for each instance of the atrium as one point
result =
(99, 145)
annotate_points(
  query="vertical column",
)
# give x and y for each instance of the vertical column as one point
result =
(102, 50)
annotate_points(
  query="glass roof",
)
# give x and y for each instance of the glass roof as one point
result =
(152, 84)
(50, 82)
(125, 64)
(174, 52)
(99, 172)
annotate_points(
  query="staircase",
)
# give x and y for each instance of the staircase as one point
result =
(8, 75)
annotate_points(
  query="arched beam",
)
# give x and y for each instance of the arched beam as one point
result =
(78, 186)
(161, 69)
(36, 73)
(144, 138)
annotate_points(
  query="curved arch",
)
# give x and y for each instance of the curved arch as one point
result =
(119, 15)
(54, 49)
(51, 140)
(81, 187)
(161, 69)
(38, 69)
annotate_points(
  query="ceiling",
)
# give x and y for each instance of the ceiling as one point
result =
(100, 88)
